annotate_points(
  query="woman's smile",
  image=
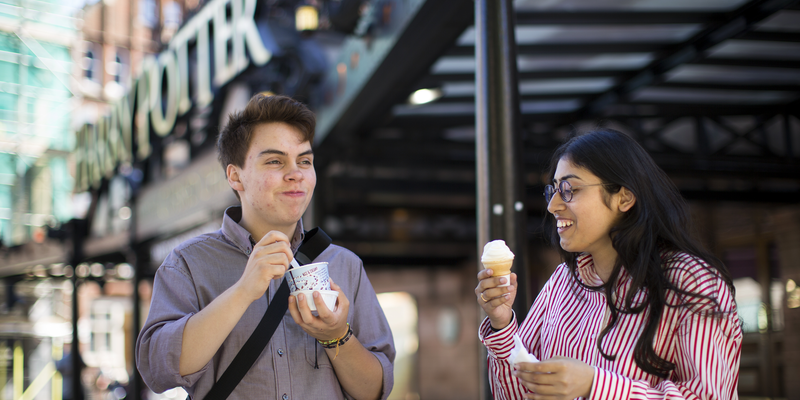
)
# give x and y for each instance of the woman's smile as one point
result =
(563, 225)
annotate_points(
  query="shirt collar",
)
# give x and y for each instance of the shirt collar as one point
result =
(588, 274)
(242, 239)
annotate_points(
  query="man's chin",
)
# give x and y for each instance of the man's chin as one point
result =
(290, 217)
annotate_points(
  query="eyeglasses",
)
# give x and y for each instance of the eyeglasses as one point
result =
(565, 189)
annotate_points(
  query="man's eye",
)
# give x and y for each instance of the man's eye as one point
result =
(273, 162)
(306, 162)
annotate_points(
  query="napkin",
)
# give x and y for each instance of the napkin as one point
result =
(519, 354)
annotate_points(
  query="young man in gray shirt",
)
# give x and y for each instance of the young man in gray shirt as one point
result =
(212, 291)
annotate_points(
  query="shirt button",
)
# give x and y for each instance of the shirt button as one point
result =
(280, 352)
(285, 396)
(247, 252)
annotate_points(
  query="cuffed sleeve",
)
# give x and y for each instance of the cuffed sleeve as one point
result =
(502, 382)
(371, 327)
(498, 344)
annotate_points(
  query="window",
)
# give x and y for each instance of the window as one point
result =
(400, 309)
(88, 65)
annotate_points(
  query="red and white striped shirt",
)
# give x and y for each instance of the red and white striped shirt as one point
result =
(566, 321)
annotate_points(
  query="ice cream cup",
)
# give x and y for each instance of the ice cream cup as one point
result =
(328, 296)
(500, 268)
(309, 277)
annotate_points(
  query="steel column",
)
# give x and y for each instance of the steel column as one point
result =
(138, 265)
(500, 203)
(78, 228)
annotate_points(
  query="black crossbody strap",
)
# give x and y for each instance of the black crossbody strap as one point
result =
(314, 243)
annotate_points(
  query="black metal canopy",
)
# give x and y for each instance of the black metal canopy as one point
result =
(711, 88)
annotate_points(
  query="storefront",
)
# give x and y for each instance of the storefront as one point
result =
(147, 178)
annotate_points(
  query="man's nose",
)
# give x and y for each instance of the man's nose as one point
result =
(295, 173)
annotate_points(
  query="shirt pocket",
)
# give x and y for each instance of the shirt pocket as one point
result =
(315, 353)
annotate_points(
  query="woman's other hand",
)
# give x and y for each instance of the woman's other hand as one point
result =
(558, 378)
(496, 300)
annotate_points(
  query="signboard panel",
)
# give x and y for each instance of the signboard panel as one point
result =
(195, 196)
(164, 90)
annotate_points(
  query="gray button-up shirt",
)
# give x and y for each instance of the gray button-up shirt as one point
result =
(200, 269)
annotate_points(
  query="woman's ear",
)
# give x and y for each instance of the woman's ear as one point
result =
(626, 199)
(233, 178)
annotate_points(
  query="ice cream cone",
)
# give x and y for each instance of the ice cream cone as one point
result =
(500, 267)
(499, 258)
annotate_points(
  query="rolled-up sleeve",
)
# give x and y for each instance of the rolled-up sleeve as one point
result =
(372, 329)
(158, 347)
(502, 382)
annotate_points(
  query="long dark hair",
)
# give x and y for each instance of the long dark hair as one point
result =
(657, 224)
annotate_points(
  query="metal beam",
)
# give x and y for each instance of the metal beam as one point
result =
(747, 136)
(738, 167)
(749, 62)
(587, 47)
(532, 97)
(736, 24)
(436, 80)
(654, 109)
(752, 196)
(731, 86)
(767, 36)
(604, 17)
(431, 187)
(376, 70)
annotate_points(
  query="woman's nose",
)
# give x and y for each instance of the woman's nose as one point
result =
(556, 203)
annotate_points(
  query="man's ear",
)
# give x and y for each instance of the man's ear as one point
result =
(626, 199)
(233, 178)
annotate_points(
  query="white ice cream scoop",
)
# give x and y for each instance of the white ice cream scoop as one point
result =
(496, 250)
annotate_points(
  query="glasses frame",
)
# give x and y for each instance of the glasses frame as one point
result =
(564, 189)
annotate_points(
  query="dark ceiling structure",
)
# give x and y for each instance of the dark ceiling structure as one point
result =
(711, 88)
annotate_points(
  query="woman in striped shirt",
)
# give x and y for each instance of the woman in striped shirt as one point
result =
(638, 309)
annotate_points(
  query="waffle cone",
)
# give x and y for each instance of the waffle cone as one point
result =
(500, 267)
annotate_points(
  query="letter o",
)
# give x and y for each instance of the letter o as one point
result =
(163, 122)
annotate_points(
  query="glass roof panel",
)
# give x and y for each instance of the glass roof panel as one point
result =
(620, 62)
(640, 5)
(528, 63)
(454, 109)
(550, 106)
(542, 34)
(711, 96)
(608, 33)
(739, 75)
(539, 86)
(434, 109)
(458, 89)
(784, 20)
(756, 49)
(451, 65)
(558, 86)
